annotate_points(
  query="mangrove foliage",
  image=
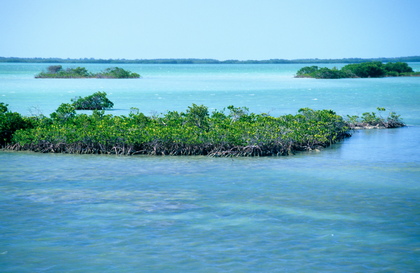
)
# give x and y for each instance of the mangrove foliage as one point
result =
(233, 131)
(375, 120)
(96, 101)
(57, 71)
(362, 70)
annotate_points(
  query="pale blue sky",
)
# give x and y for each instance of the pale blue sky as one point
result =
(218, 29)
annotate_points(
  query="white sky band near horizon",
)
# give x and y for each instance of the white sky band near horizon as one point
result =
(227, 29)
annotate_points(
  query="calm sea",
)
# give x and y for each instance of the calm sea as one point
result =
(353, 207)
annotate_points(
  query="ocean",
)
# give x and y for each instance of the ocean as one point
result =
(352, 207)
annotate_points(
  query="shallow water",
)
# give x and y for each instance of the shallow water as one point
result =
(262, 88)
(353, 207)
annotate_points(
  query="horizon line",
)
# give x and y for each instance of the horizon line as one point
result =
(205, 60)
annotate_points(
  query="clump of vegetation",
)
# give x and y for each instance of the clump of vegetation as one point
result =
(117, 73)
(57, 71)
(375, 120)
(362, 70)
(10, 122)
(96, 101)
(230, 132)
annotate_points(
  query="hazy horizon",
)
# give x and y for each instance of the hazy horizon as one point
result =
(212, 59)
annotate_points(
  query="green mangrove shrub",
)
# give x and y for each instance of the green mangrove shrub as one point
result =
(96, 101)
(375, 119)
(117, 73)
(64, 112)
(10, 122)
(362, 70)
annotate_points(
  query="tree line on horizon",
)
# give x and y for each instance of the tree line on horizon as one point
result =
(204, 61)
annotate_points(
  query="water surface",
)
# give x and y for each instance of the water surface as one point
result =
(353, 207)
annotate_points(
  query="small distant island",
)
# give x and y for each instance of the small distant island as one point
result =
(57, 72)
(362, 70)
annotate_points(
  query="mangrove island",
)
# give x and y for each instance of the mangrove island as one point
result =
(233, 131)
(57, 72)
(361, 70)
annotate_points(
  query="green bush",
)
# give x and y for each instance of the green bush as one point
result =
(326, 73)
(96, 101)
(398, 67)
(307, 71)
(79, 72)
(10, 122)
(375, 119)
(362, 70)
(117, 73)
(64, 112)
(3, 108)
(366, 70)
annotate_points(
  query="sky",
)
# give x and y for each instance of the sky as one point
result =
(216, 29)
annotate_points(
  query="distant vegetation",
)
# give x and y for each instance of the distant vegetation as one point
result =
(231, 132)
(204, 61)
(362, 70)
(57, 71)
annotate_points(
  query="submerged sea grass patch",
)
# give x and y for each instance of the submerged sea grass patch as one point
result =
(230, 132)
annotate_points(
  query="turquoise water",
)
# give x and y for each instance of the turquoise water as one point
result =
(353, 207)
(262, 88)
